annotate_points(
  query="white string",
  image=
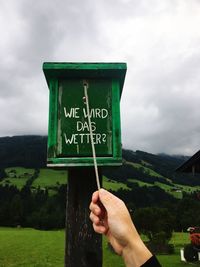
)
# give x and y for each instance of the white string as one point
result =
(85, 85)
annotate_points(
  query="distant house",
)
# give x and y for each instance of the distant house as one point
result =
(191, 165)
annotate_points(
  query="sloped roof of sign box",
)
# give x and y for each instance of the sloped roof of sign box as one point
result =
(85, 70)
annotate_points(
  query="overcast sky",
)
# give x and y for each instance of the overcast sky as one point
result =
(158, 39)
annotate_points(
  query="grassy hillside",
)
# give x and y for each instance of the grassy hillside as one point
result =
(31, 248)
(48, 178)
(51, 179)
(17, 176)
(143, 167)
(113, 185)
(28, 247)
(176, 190)
(139, 167)
(163, 182)
(30, 152)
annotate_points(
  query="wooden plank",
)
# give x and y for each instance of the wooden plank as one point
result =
(83, 246)
(72, 162)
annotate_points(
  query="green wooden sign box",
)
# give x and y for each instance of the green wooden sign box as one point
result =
(68, 134)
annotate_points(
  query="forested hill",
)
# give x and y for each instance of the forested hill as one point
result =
(25, 151)
(30, 151)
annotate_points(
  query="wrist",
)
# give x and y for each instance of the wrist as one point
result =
(136, 253)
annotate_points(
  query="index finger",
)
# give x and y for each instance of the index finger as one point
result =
(95, 197)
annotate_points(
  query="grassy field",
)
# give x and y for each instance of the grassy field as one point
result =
(46, 178)
(144, 168)
(168, 188)
(33, 248)
(19, 183)
(49, 177)
(19, 170)
(19, 178)
(113, 185)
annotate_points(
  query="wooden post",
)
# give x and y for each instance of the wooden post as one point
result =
(83, 247)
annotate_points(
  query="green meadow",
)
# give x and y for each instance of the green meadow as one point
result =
(19, 171)
(29, 247)
(113, 185)
(144, 168)
(17, 176)
(24, 247)
(168, 188)
(21, 247)
(48, 177)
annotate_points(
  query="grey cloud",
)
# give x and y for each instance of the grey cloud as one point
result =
(174, 94)
(160, 101)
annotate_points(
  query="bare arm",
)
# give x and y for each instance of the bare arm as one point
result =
(111, 218)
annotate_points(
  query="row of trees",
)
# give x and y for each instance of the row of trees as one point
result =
(153, 202)
(162, 215)
(29, 208)
(152, 209)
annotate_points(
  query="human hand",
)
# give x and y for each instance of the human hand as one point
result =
(111, 218)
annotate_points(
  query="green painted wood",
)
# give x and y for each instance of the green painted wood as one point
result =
(73, 127)
(53, 119)
(87, 161)
(67, 70)
(117, 149)
(68, 137)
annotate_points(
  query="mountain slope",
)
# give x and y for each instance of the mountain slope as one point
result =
(24, 151)
(30, 151)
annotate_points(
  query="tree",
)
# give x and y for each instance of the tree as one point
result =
(3, 174)
(151, 221)
(188, 212)
(16, 210)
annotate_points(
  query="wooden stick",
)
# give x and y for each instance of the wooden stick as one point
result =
(86, 86)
